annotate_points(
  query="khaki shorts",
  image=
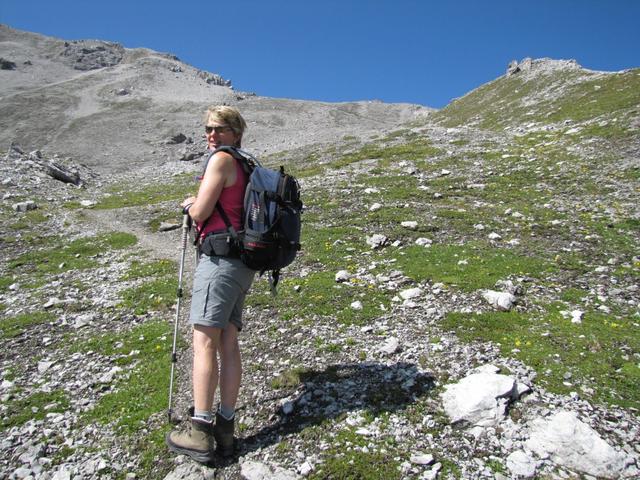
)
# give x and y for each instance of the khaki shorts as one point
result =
(220, 285)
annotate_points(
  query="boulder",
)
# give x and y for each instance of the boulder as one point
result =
(571, 443)
(480, 399)
(377, 241)
(502, 301)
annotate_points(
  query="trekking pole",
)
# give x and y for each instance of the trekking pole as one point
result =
(174, 357)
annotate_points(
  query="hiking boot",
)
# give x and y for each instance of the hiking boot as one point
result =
(223, 433)
(197, 442)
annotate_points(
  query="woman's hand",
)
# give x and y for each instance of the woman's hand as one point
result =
(188, 201)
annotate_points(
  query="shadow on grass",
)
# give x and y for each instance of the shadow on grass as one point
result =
(338, 390)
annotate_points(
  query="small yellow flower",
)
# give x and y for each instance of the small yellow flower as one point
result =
(518, 342)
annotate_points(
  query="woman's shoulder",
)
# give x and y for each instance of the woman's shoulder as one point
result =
(221, 160)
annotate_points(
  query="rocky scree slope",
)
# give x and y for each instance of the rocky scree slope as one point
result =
(466, 306)
(116, 108)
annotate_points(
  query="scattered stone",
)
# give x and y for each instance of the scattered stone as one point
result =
(375, 207)
(168, 226)
(480, 399)
(176, 138)
(390, 346)
(305, 469)
(521, 465)
(424, 242)
(502, 301)
(411, 225)
(214, 79)
(287, 408)
(44, 365)
(24, 206)
(252, 470)
(53, 302)
(7, 64)
(411, 293)
(357, 305)
(422, 459)
(577, 316)
(342, 276)
(377, 241)
(187, 471)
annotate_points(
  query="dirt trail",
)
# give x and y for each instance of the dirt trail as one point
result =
(156, 245)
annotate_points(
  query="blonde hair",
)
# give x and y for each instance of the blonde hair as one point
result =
(227, 116)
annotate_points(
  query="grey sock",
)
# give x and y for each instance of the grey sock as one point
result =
(203, 415)
(227, 413)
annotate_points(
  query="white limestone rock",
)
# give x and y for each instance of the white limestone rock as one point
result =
(521, 465)
(377, 241)
(342, 276)
(411, 293)
(480, 399)
(424, 242)
(390, 346)
(502, 301)
(251, 470)
(410, 224)
(571, 443)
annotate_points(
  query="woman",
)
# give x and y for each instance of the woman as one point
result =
(219, 288)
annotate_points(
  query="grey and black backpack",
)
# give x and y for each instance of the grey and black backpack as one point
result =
(270, 237)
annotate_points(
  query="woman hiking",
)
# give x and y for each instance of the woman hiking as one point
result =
(220, 284)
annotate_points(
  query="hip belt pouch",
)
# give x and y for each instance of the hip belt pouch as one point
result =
(218, 245)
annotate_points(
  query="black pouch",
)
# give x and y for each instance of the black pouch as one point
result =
(218, 245)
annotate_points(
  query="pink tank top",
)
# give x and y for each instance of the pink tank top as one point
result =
(232, 201)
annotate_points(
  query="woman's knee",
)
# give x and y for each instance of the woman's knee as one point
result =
(206, 338)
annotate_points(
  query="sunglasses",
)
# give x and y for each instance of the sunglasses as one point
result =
(218, 129)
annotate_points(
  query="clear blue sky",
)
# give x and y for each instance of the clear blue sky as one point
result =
(425, 52)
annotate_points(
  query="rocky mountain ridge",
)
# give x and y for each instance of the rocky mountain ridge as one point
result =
(463, 278)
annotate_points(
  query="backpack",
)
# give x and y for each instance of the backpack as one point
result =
(270, 236)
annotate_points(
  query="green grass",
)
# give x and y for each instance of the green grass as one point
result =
(29, 219)
(35, 406)
(499, 103)
(345, 458)
(133, 195)
(140, 392)
(469, 267)
(319, 294)
(138, 269)
(599, 352)
(144, 353)
(6, 282)
(11, 327)
(156, 295)
(76, 255)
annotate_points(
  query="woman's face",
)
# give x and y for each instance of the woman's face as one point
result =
(219, 134)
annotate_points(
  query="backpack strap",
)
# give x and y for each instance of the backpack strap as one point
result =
(248, 163)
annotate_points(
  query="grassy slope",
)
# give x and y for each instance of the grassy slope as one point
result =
(557, 250)
(549, 98)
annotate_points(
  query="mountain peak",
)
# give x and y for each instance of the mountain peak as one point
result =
(540, 65)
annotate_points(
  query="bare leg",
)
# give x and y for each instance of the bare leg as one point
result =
(230, 367)
(205, 366)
